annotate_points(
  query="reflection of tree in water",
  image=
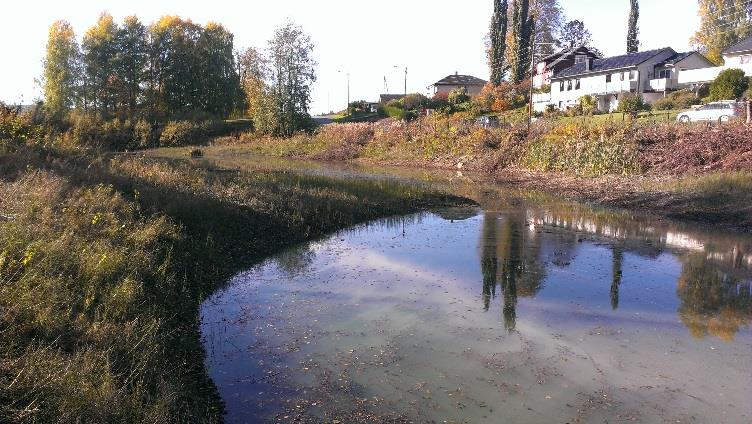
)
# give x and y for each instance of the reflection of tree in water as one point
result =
(712, 301)
(510, 259)
(296, 260)
(617, 258)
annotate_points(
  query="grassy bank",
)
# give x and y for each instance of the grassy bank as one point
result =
(671, 168)
(104, 262)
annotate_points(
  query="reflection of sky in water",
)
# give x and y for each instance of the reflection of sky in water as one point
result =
(501, 281)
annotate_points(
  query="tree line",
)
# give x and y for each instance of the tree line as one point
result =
(177, 69)
(538, 27)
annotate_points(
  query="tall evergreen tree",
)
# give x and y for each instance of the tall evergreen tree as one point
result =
(61, 71)
(722, 23)
(523, 28)
(498, 35)
(633, 44)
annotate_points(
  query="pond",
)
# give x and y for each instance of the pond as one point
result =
(526, 309)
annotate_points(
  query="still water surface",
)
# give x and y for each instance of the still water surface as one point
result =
(523, 310)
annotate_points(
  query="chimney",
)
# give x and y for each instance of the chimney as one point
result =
(588, 64)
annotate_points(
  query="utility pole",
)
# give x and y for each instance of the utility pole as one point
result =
(532, 76)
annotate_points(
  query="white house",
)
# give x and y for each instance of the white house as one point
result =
(738, 56)
(550, 65)
(650, 73)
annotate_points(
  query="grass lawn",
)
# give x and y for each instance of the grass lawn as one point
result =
(644, 117)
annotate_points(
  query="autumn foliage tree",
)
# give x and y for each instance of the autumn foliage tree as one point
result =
(722, 24)
(173, 68)
(277, 82)
(61, 68)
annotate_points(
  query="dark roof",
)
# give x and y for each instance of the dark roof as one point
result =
(460, 80)
(389, 97)
(678, 57)
(608, 63)
(742, 46)
(567, 52)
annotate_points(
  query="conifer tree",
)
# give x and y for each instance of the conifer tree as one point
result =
(498, 37)
(522, 35)
(633, 44)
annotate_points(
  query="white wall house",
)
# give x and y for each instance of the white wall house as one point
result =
(738, 56)
(650, 73)
(550, 65)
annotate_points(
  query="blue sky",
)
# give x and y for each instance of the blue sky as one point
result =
(432, 38)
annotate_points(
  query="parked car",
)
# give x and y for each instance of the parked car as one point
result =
(722, 111)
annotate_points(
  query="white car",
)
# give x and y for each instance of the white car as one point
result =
(723, 111)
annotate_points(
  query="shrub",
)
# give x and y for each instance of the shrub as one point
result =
(458, 95)
(587, 104)
(179, 133)
(632, 104)
(17, 127)
(503, 97)
(143, 134)
(682, 99)
(390, 111)
(395, 104)
(415, 101)
(357, 105)
(440, 101)
(730, 84)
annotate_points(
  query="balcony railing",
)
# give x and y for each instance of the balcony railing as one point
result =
(663, 84)
(705, 75)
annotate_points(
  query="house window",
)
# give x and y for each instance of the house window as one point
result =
(745, 59)
(632, 75)
(622, 75)
(608, 78)
(569, 85)
(577, 84)
(664, 74)
(561, 86)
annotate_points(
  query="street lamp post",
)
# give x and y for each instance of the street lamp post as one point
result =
(348, 90)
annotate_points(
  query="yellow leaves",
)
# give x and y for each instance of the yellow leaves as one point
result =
(28, 256)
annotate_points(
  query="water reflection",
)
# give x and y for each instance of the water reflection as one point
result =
(714, 288)
(617, 256)
(509, 261)
(713, 302)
